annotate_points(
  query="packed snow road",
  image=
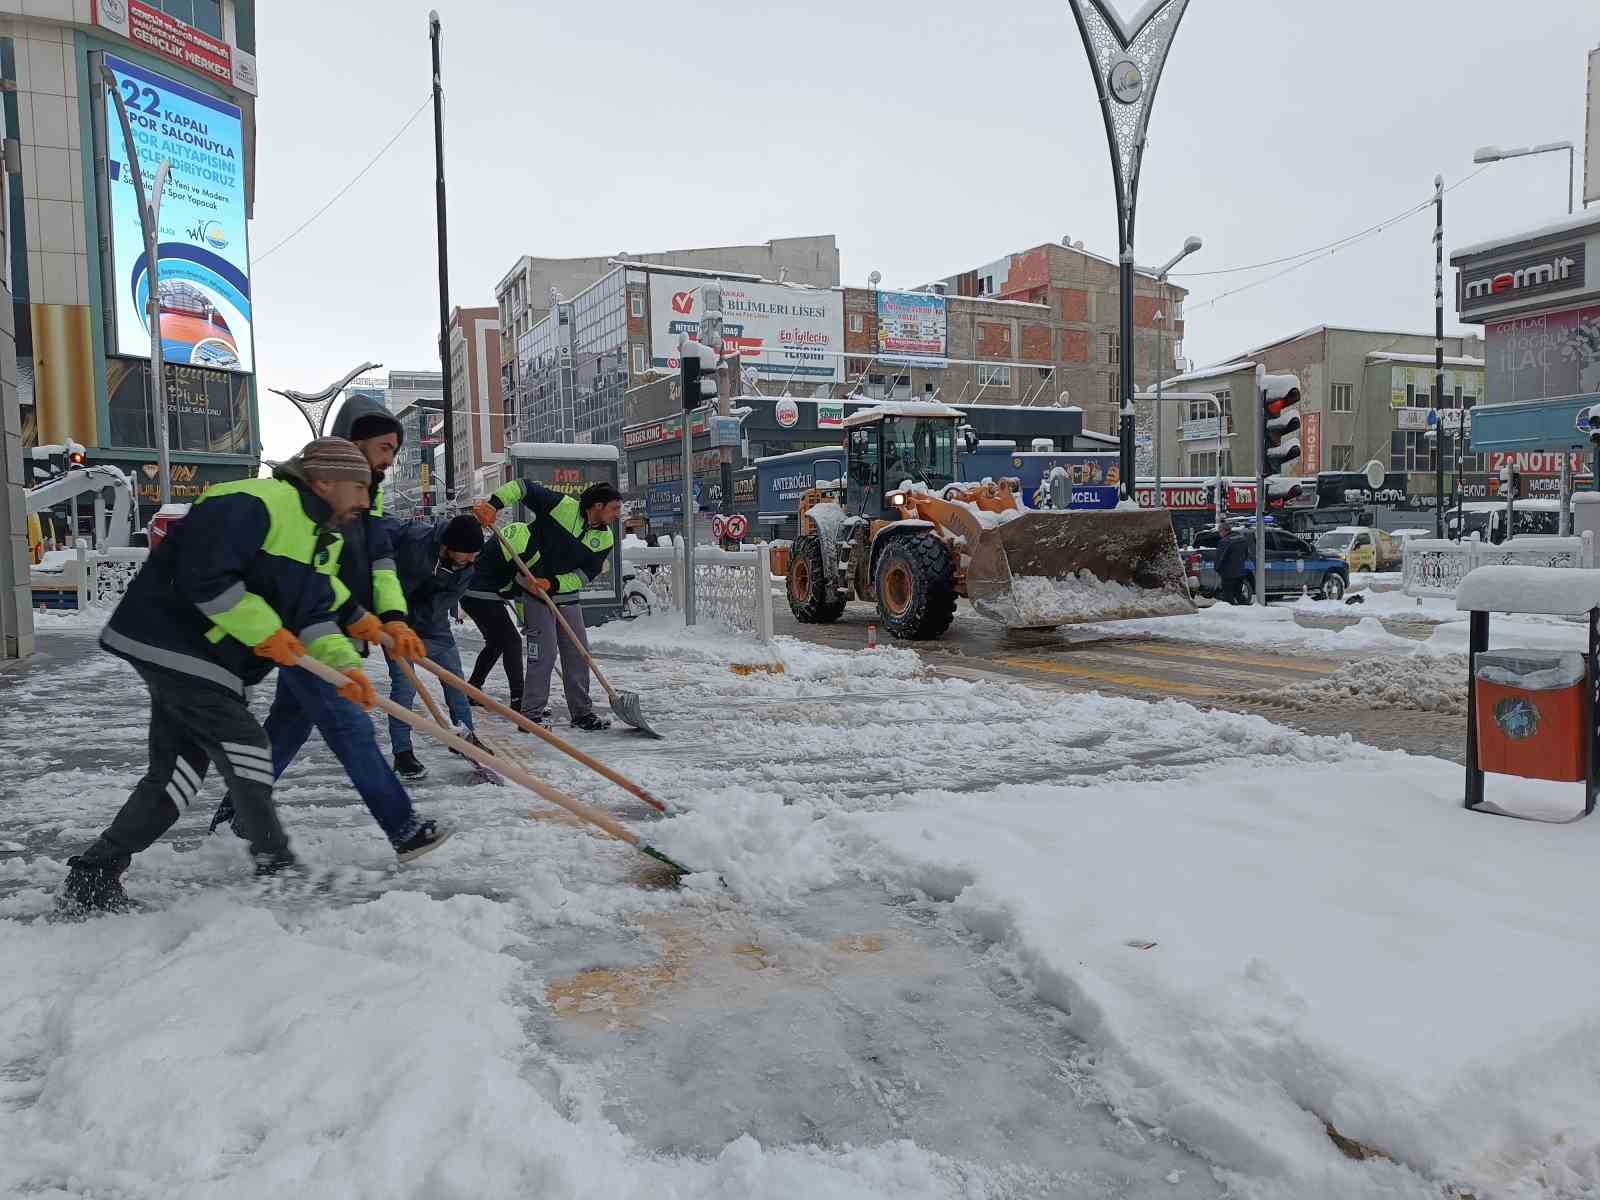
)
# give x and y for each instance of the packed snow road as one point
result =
(977, 940)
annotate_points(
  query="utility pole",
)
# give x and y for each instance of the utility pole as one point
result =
(444, 259)
(1438, 355)
(150, 226)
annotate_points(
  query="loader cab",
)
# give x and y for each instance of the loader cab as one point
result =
(885, 449)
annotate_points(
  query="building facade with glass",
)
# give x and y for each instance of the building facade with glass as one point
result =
(187, 72)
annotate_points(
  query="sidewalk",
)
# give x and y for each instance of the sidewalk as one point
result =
(977, 940)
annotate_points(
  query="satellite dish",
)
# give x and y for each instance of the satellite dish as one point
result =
(1375, 474)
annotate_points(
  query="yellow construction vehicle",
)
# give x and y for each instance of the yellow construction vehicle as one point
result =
(900, 531)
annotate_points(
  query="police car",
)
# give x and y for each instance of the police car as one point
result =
(1293, 565)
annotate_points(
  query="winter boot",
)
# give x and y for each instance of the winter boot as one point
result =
(272, 864)
(591, 722)
(407, 766)
(92, 889)
(542, 717)
(427, 836)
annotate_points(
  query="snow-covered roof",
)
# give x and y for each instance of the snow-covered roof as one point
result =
(661, 269)
(565, 451)
(1422, 360)
(1210, 372)
(1168, 395)
(902, 408)
(1554, 591)
(1584, 222)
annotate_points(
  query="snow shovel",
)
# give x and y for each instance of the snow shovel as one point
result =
(539, 731)
(485, 775)
(543, 790)
(624, 704)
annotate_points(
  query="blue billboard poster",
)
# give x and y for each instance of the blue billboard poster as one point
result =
(206, 318)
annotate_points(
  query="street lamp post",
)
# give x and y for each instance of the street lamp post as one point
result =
(1490, 154)
(1126, 61)
(150, 226)
(1190, 245)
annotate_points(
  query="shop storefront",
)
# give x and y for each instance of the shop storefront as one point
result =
(1537, 294)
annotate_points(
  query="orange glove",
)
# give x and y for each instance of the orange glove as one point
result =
(406, 643)
(359, 690)
(535, 584)
(282, 648)
(485, 512)
(368, 629)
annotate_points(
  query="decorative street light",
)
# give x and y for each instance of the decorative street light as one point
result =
(314, 406)
(1489, 154)
(1126, 58)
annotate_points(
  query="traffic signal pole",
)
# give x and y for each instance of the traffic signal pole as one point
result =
(1261, 489)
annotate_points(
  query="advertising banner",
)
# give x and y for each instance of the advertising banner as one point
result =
(779, 332)
(1535, 358)
(1536, 462)
(206, 315)
(830, 414)
(1311, 444)
(169, 37)
(1421, 381)
(913, 327)
(1203, 429)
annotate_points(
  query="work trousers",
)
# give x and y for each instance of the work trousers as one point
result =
(193, 724)
(545, 641)
(500, 641)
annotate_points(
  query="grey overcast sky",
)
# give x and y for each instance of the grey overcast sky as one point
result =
(930, 138)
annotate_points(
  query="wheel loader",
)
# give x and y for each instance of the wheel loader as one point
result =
(899, 530)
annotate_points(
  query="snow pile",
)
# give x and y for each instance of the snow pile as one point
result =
(664, 634)
(1567, 591)
(1426, 683)
(1265, 956)
(1037, 600)
(767, 851)
(1273, 626)
(829, 518)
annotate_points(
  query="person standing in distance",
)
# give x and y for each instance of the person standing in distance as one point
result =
(245, 581)
(570, 542)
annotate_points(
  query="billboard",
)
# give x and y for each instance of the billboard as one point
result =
(779, 332)
(1591, 134)
(1535, 358)
(912, 327)
(1421, 379)
(206, 314)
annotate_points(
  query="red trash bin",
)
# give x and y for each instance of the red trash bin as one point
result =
(1533, 714)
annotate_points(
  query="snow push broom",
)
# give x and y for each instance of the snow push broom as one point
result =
(516, 774)
(624, 704)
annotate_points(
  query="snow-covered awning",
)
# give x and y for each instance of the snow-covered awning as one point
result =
(1553, 591)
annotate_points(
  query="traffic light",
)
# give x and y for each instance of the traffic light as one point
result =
(1279, 422)
(697, 365)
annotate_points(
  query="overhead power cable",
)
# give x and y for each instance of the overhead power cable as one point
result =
(359, 175)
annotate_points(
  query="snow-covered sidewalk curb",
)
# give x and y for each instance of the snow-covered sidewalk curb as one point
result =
(1352, 948)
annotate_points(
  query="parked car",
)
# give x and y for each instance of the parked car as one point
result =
(1293, 565)
(1363, 548)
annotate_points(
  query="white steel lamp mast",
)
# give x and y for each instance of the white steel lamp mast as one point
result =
(150, 226)
(1126, 58)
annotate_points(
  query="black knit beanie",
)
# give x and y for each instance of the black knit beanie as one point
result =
(375, 424)
(464, 535)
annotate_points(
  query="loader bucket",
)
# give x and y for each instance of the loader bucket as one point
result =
(1049, 568)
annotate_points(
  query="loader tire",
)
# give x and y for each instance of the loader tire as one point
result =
(812, 598)
(916, 587)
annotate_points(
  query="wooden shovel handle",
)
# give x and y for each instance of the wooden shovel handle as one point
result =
(543, 790)
(545, 596)
(539, 731)
(416, 686)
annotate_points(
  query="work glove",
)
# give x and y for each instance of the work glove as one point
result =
(486, 513)
(404, 642)
(282, 648)
(359, 690)
(368, 629)
(535, 584)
